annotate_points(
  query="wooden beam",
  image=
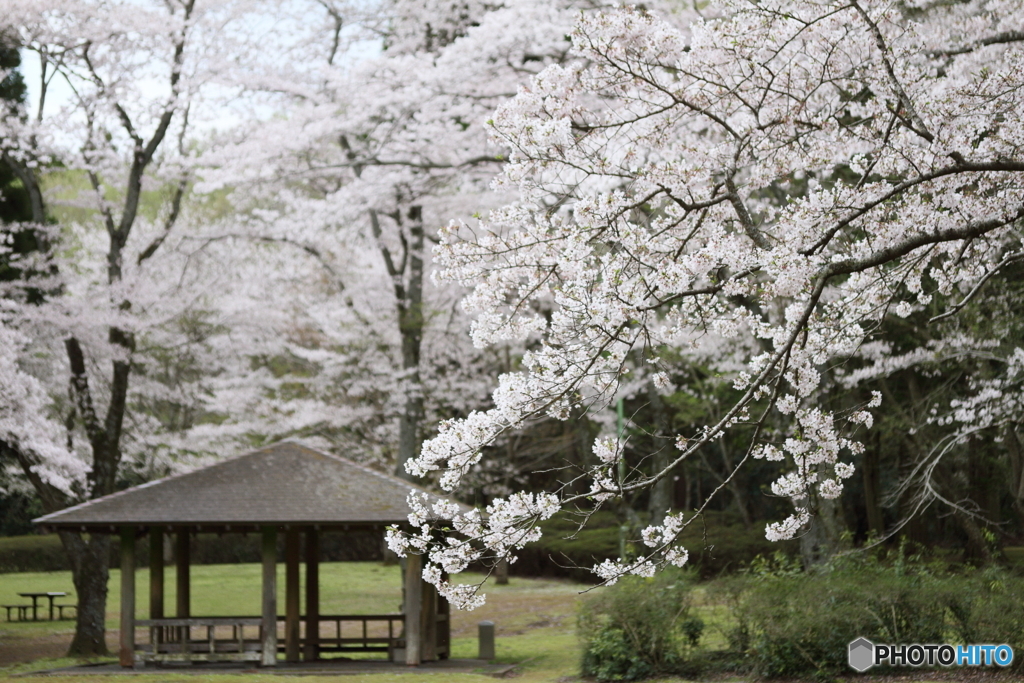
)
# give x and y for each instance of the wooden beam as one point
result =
(291, 595)
(444, 628)
(182, 561)
(156, 577)
(269, 625)
(428, 622)
(413, 608)
(127, 649)
(312, 649)
(156, 572)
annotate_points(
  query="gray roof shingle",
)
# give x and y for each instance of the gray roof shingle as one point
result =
(280, 484)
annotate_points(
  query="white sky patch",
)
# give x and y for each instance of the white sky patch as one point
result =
(224, 106)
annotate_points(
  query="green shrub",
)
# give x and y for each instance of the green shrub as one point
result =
(611, 656)
(639, 628)
(788, 624)
(988, 607)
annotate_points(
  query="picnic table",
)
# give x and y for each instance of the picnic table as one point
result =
(51, 595)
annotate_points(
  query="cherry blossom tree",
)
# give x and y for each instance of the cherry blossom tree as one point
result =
(372, 155)
(106, 164)
(768, 181)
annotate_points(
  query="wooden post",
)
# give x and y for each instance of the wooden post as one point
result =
(156, 581)
(291, 595)
(444, 628)
(127, 652)
(428, 623)
(269, 645)
(312, 649)
(156, 572)
(413, 608)
(182, 561)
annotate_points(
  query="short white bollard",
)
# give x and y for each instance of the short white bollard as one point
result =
(486, 636)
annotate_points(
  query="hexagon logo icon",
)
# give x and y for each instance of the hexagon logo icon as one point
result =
(862, 655)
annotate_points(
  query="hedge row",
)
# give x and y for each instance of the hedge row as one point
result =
(717, 542)
(46, 554)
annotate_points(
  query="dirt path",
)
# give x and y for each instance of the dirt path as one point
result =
(17, 650)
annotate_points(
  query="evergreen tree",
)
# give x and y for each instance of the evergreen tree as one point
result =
(16, 240)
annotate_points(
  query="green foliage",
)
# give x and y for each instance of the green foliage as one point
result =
(639, 628)
(12, 86)
(789, 624)
(32, 554)
(610, 656)
(17, 510)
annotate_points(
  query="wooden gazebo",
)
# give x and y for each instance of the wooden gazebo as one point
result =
(281, 488)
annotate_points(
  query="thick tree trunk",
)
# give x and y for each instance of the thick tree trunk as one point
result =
(90, 562)
(872, 493)
(1016, 482)
(410, 323)
(89, 558)
(821, 539)
(977, 548)
(661, 500)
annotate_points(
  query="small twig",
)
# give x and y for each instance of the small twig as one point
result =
(1011, 258)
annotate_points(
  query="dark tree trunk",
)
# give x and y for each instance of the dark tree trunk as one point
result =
(90, 570)
(89, 558)
(408, 289)
(661, 500)
(1016, 482)
(410, 324)
(977, 549)
(820, 541)
(872, 497)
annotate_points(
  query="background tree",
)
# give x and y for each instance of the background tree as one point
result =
(372, 155)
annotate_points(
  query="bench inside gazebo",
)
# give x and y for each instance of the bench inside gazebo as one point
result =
(284, 489)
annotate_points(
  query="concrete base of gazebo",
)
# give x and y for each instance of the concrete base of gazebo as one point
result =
(322, 667)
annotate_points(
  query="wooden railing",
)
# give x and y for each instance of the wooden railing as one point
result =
(216, 639)
(358, 636)
(201, 639)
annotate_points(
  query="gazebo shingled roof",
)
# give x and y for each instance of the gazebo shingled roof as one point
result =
(284, 483)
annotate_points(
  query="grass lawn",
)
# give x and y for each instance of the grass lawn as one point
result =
(535, 618)
(535, 621)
